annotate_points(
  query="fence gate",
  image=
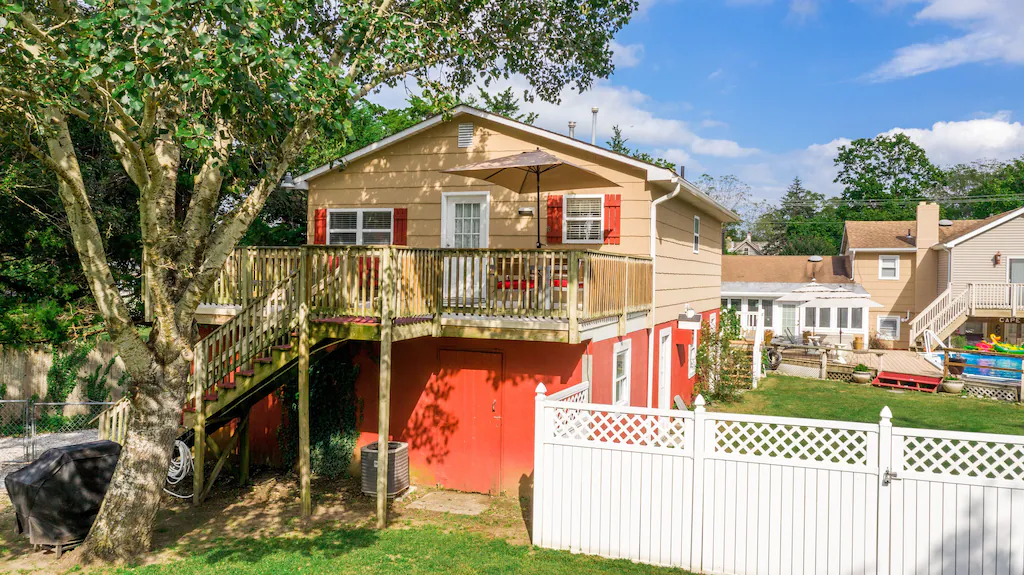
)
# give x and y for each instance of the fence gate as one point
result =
(64, 423)
(747, 494)
(14, 433)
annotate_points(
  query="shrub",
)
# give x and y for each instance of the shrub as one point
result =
(861, 367)
(62, 376)
(721, 368)
(96, 382)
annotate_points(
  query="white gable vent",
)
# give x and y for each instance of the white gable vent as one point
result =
(465, 135)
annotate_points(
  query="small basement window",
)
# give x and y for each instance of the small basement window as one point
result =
(889, 327)
(584, 219)
(360, 227)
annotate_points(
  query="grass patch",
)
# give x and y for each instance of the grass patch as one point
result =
(798, 397)
(398, 551)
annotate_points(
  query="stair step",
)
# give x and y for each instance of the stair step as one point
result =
(210, 396)
(246, 372)
(284, 347)
(263, 360)
(190, 408)
(226, 384)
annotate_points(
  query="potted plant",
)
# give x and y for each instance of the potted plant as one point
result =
(862, 374)
(953, 385)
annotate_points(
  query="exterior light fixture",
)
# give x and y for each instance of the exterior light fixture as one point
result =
(526, 211)
(997, 258)
(288, 183)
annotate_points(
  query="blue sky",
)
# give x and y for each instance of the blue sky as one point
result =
(769, 89)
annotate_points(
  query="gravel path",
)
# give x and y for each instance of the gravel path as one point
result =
(13, 448)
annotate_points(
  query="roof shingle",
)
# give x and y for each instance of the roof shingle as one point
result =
(784, 269)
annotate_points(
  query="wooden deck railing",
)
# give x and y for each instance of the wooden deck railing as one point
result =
(483, 283)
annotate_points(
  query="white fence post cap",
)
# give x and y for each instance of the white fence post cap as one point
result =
(886, 413)
(541, 390)
(699, 403)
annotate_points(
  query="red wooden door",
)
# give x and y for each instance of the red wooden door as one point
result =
(473, 459)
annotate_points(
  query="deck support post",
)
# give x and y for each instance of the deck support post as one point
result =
(387, 291)
(574, 296)
(243, 451)
(303, 321)
(199, 429)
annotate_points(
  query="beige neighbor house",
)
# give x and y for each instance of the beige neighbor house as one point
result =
(941, 276)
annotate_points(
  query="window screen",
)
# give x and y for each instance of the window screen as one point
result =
(583, 219)
(359, 227)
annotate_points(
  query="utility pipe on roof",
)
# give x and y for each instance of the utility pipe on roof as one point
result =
(654, 282)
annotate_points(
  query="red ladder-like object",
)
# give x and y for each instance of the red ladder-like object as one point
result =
(907, 381)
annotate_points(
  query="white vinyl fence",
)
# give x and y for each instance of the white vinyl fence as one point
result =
(746, 494)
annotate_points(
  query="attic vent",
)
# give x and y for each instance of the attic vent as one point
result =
(465, 135)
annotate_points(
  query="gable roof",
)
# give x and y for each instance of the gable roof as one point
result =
(876, 235)
(981, 226)
(784, 269)
(655, 174)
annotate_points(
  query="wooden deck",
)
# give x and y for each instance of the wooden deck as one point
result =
(897, 361)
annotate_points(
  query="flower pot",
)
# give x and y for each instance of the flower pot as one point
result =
(953, 386)
(862, 377)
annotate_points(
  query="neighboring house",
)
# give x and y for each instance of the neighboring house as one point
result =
(940, 275)
(797, 295)
(481, 315)
(746, 247)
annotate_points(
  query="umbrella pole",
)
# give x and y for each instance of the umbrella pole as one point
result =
(538, 210)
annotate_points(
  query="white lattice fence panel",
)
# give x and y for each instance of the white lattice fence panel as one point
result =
(800, 370)
(964, 458)
(623, 428)
(804, 443)
(992, 391)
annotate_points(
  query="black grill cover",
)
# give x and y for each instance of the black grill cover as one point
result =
(56, 497)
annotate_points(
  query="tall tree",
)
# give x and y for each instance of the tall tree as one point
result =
(618, 144)
(980, 189)
(504, 103)
(889, 172)
(200, 100)
(803, 224)
(736, 195)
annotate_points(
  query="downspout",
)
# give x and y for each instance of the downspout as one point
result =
(654, 282)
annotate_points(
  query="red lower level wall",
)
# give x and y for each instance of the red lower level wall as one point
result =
(466, 407)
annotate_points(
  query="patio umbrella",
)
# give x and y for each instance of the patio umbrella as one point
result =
(816, 295)
(523, 173)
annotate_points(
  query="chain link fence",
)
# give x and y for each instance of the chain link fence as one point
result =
(28, 428)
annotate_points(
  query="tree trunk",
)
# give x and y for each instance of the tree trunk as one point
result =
(124, 527)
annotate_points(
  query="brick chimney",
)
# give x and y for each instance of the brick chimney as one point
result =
(927, 260)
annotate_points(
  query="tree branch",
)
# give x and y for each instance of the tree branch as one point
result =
(206, 192)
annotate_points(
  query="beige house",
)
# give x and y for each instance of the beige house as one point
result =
(940, 276)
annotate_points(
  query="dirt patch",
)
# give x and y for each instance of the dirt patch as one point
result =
(270, 508)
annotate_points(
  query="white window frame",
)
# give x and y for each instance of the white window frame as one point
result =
(359, 225)
(665, 363)
(888, 257)
(878, 325)
(691, 357)
(1009, 261)
(485, 215)
(622, 347)
(565, 218)
(696, 234)
(863, 316)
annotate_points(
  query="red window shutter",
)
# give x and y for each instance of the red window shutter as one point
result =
(554, 219)
(401, 224)
(320, 226)
(612, 218)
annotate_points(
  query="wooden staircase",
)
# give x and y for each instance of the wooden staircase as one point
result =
(943, 316)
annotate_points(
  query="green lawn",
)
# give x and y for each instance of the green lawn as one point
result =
(798, 397)
(400, 551)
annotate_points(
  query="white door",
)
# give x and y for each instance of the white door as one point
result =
(665, 369)
(788, 324)
(465, 223)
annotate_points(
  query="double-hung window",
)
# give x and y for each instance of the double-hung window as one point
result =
(888, 267)
(621, 374)
(857, 318)
(360, 227)
(768, 308)
(810, 316)
(584, 219)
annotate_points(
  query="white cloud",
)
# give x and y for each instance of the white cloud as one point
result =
(713, 124)
(996, 137)
(803, 9)
(716, 74)
(994, 32)
(626, 55)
